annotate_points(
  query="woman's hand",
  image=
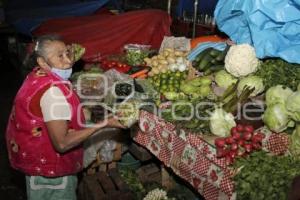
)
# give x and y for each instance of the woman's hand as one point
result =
(110, 122)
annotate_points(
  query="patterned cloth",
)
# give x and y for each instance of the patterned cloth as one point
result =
(191, 157)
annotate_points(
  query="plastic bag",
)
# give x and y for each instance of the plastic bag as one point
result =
(178, 43)
(202, 46)
(271, 26)
(95, 144)
(107, 150)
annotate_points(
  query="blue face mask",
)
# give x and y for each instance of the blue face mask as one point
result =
(63, 73)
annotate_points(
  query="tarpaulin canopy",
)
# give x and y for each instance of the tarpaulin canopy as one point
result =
(28, 14)
(107, 34)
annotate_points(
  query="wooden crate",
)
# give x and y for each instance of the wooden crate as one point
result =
(149, 173)
(139, 152)
(104, 186)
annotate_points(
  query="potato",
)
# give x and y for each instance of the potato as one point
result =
(178, 53)
(163, 62)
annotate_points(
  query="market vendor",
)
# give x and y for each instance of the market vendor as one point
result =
(45, 133)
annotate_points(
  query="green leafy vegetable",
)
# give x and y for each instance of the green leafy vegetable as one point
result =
(278, 72)
(265, 177)
(221, 122)
(293, 105)
(224, 79)
(251, 82)
(277, 94)
(276, 117)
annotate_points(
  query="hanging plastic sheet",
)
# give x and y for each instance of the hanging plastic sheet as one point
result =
(106, 34)
(271, 26)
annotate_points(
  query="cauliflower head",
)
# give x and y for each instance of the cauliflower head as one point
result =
(241, 60)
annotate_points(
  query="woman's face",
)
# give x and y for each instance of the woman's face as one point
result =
(57, 55)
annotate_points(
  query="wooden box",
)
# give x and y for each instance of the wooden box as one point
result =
(141, 153)
(104, 186)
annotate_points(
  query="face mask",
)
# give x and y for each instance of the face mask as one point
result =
(63, 73)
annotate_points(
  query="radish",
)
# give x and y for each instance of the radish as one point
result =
(249, 128)
(247, 136)
(240, 128)
(220, 142)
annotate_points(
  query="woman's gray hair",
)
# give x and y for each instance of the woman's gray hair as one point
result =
(42, 42)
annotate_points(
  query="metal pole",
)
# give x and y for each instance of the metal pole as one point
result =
(169, 6)
(195, 18)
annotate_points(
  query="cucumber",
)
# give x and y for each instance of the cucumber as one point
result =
(222, 55)
(205, 62)
(214, 52)
(215, 68)
(214, 61)
(201, 55)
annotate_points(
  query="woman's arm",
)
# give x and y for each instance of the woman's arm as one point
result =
(64, 139)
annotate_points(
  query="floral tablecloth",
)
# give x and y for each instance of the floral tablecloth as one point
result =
(193, 157)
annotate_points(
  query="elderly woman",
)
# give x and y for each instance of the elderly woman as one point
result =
(44, 132)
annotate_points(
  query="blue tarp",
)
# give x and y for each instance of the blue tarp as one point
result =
(204, 7)
(271, 26)
(28, 14)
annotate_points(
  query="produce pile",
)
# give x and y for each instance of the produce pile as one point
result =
(208, 103)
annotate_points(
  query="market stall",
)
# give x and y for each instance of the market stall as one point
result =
(223, 116)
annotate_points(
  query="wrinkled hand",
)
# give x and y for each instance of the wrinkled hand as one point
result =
(111, 122)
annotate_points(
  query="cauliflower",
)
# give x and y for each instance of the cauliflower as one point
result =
(241, 60)
(156, 194)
